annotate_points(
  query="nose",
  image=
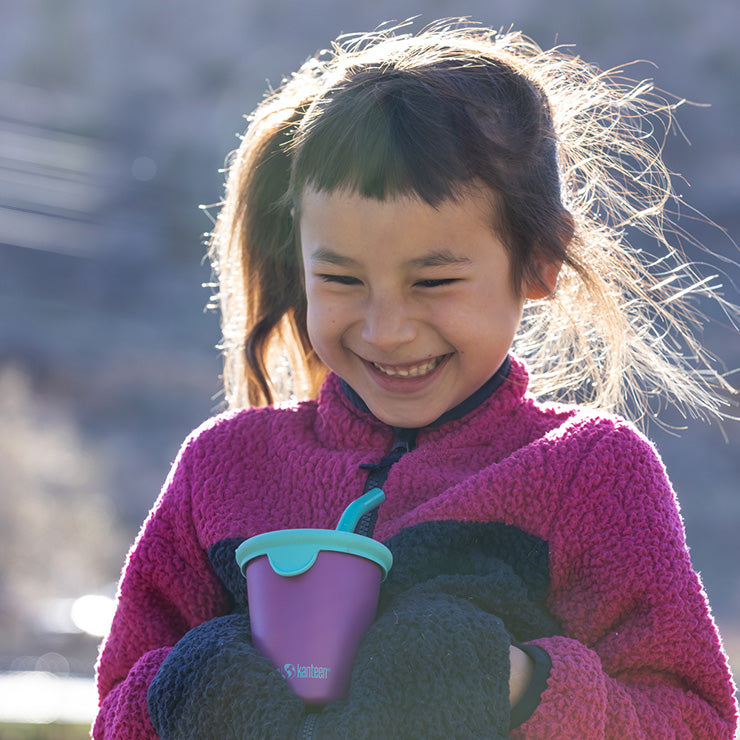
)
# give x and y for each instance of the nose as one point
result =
(387, 323)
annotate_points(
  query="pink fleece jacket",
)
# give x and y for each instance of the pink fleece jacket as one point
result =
(639, 655)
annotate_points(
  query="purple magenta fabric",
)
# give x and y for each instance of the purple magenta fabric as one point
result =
(638, 655)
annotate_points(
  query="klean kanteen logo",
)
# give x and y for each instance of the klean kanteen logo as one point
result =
(305, 671)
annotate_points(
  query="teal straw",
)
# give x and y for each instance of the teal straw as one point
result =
(358, 508)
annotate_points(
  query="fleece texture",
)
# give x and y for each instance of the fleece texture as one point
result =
(611, 598)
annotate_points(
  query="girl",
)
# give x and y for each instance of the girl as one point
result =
(400, 214)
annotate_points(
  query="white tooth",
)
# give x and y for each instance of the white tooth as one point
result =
(412, 372)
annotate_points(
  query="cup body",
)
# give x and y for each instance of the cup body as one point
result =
(309, 614)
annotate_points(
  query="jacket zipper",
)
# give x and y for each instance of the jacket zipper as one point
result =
(404, 442)
(308, 726)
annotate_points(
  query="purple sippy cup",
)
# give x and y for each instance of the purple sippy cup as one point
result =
(312, 595)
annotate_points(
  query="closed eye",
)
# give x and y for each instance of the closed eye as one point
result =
(435, 283)
(341, 279)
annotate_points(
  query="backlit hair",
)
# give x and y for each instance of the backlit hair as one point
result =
(573, 167)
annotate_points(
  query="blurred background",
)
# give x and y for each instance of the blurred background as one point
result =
(114, 121)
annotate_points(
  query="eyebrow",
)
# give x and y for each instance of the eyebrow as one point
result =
(440, 258)
(329, 256)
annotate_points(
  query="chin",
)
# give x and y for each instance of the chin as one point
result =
(407, 421)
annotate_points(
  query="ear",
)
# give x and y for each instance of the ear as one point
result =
(544, 280)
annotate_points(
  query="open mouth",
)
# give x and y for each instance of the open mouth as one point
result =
(409, 371)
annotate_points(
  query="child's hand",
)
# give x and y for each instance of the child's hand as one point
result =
(433, 665)
(520, 676)
(215, 684)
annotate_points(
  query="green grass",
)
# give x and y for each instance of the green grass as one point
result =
(51, 731)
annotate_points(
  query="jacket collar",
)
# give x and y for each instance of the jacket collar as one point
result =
(472, 402)
(340, 424)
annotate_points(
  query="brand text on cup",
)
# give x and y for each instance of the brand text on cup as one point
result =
(304, 671)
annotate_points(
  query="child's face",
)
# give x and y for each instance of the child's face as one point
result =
(413, 306)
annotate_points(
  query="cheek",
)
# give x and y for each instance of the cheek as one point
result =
(458, 318)
(321, 320)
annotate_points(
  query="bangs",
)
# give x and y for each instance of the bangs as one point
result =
(391, 136)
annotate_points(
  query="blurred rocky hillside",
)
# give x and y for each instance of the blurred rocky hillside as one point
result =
(114, 120)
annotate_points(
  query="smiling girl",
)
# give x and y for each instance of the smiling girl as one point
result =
(422, 238)
(396, 291)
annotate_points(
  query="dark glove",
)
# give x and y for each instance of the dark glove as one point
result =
(433, 665)
(214, 684)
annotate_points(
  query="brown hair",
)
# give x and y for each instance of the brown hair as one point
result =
(563, 150)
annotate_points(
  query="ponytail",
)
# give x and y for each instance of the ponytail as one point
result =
(267, 354)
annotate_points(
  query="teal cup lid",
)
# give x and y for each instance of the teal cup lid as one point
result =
(293, 551)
